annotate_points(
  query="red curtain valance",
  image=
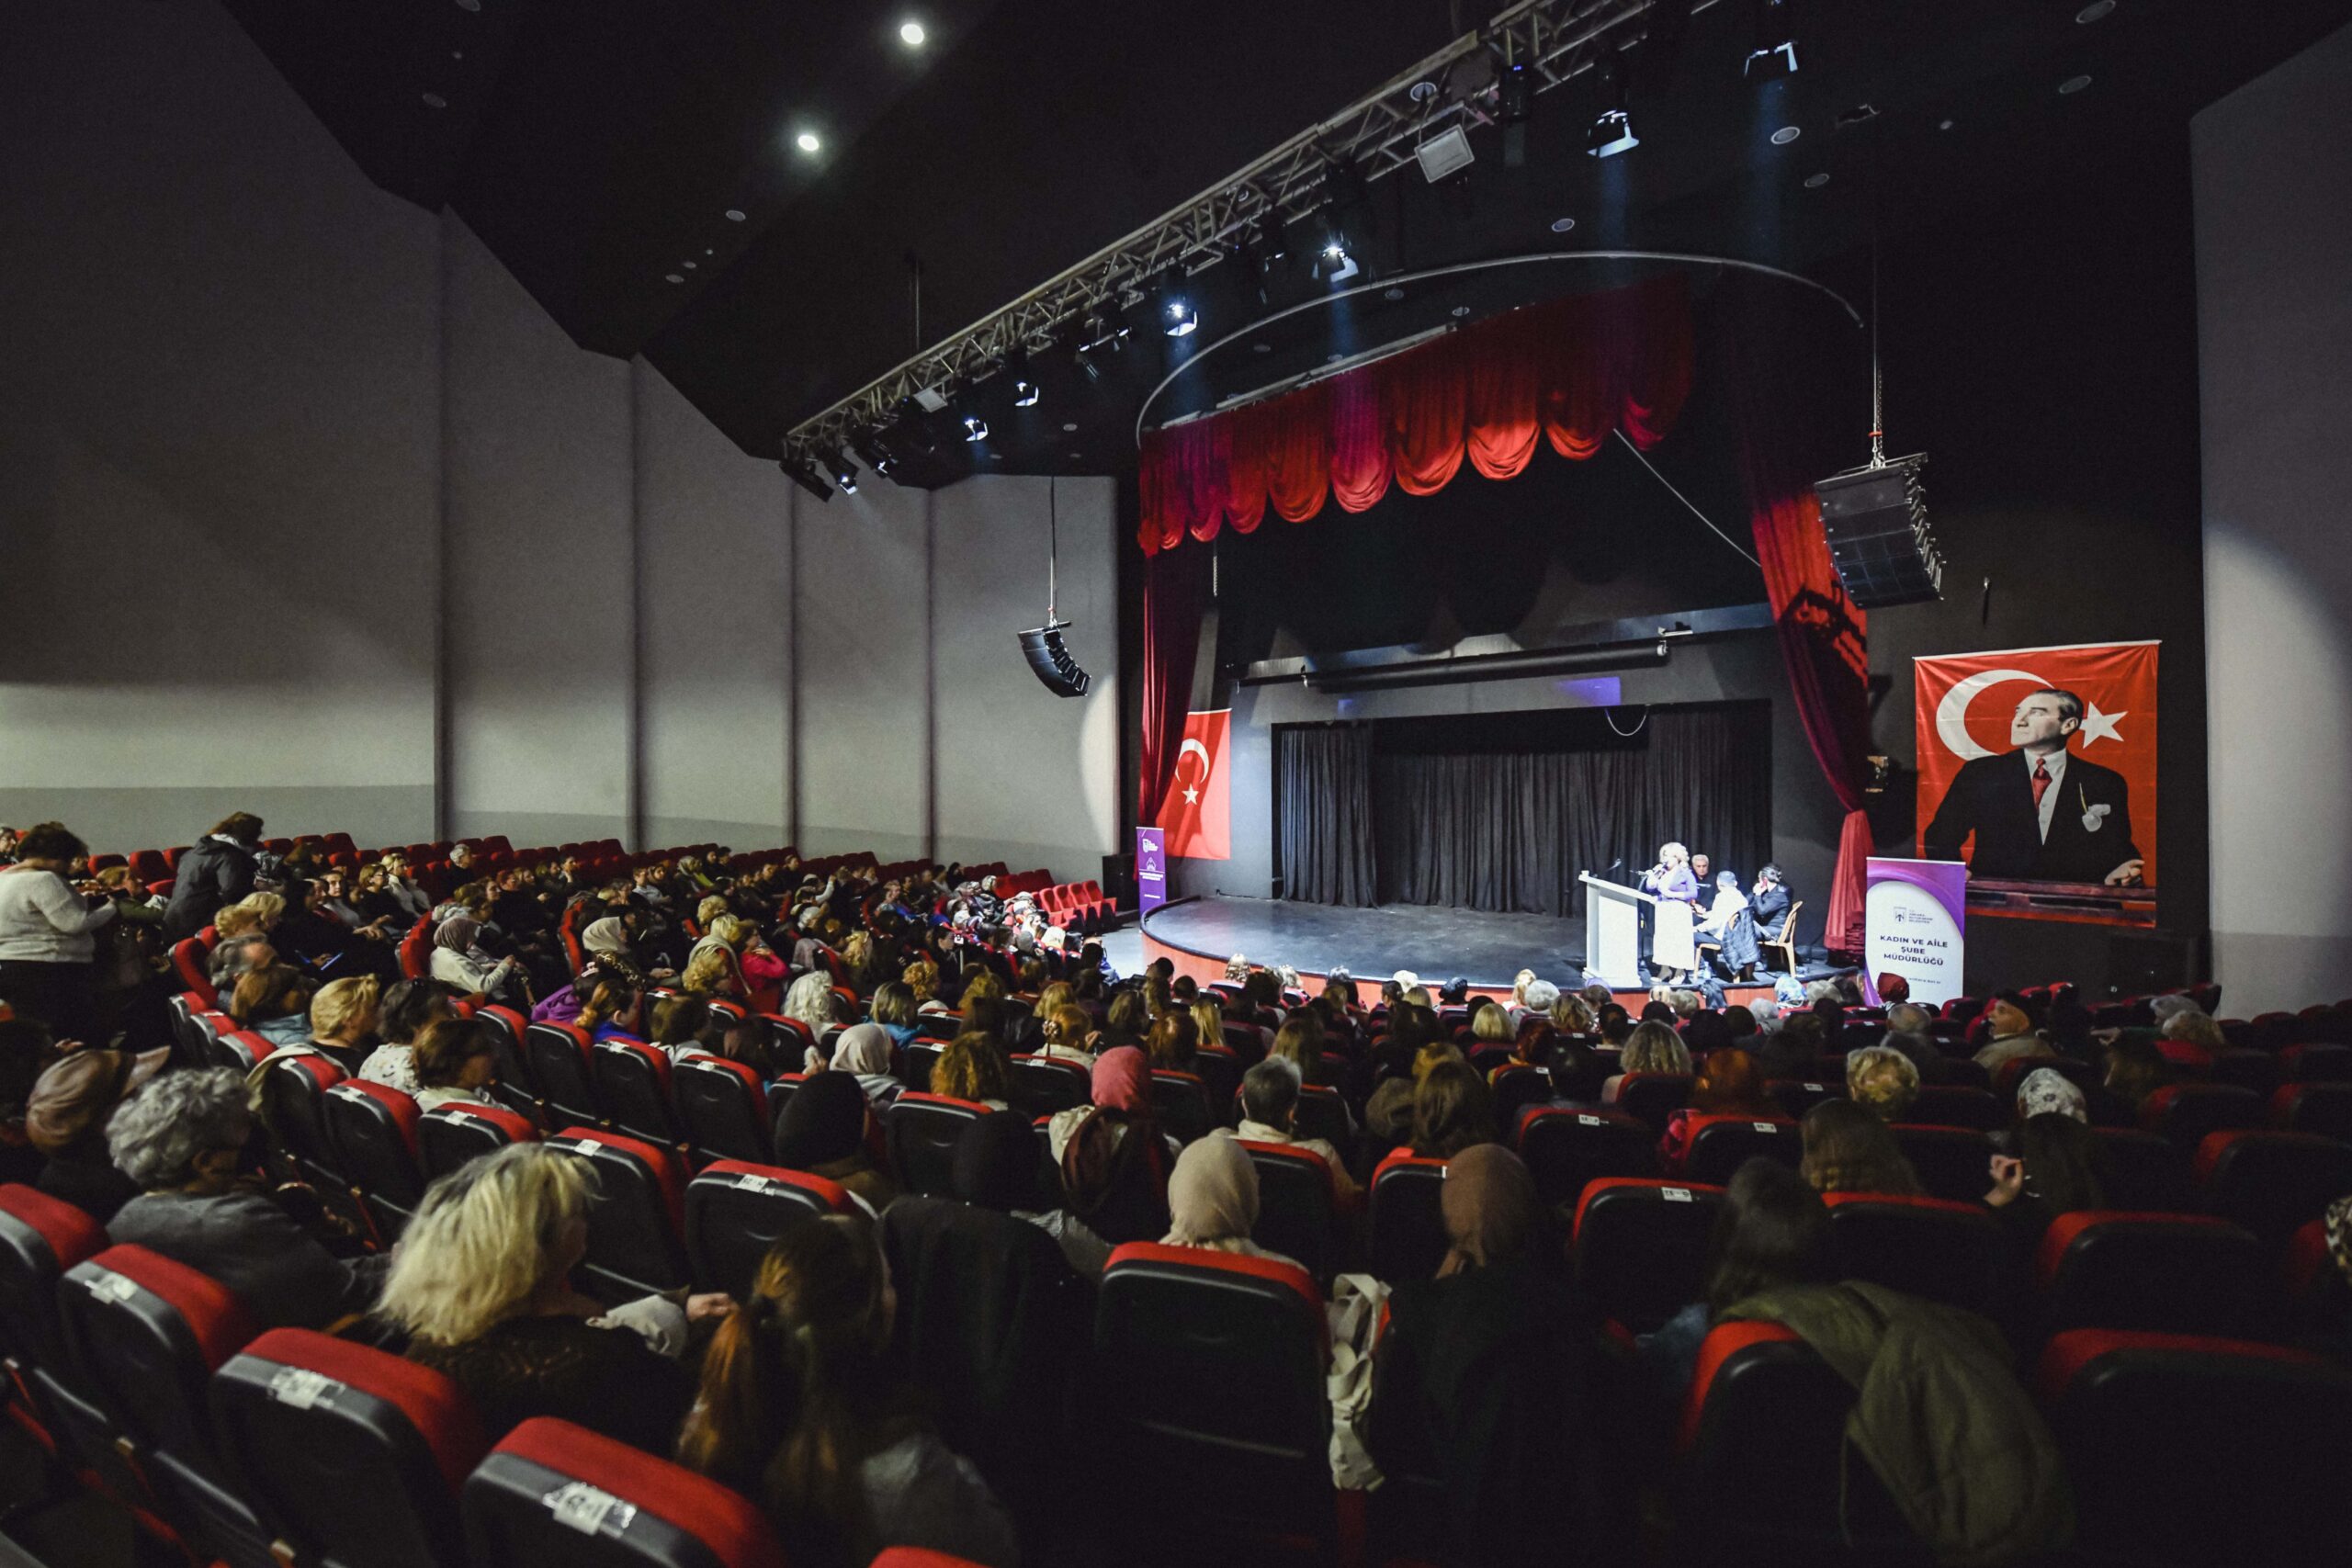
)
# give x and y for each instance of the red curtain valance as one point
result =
(1569, 371)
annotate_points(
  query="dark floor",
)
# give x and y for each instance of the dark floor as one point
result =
(47, 1520)
(1435, 943)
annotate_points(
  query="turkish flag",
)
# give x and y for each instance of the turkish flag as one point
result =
(1964, 703)
(1198, 810)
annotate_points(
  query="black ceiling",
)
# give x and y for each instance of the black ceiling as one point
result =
(598, 145)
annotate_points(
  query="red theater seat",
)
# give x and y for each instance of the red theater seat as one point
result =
(373, 1129)
(736, 1209)
(352, 1456)
(635, 1229)
(563, 1058)
(722, 1108)
(1654, 1097)
(1298, 1205)
(1567, 1146)
(1409, 1238)
(1926, 1247)
(448, 1135)
(1721, 1145)
(1641, 1247)
(2322, 1108)
(2183, 1113)
(556, 1495)
(633, 1085)
(1953, 1162)
(40, 1238)
(2159, 1273)
(2272, 1182)
(1040, 1086)
(921, 1131)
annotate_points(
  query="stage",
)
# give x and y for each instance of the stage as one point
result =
(1198, 935)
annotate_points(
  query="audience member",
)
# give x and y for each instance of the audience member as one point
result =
(803, 1409)
(65, 1120)
(456, 1060)
(218, 870)
(996, 1167)
(275, 1003)
(2135, 1069)
(1848, 1149)
(46, 935)
(184, 1140)
(1883, 1081)
(2045, 1091)
(863, 1053)
(1772, 1231)
(1728, 1083)
(1654, 1047)
(1113, 1159)
(27, 1050)
(409, 1008)
(973, 1068)
(822, 1132)
(1270, 1093)
(1213, 1199)
(2009, 1034)
(481, 1284)
(1452, 1110)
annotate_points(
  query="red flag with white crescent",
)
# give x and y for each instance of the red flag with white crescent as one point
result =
(1198, 810)
(1964, 703)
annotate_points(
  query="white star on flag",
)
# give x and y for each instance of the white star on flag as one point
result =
(1191, 796)
(2099, 724)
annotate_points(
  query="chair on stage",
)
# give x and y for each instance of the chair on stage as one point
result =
(1785, 944)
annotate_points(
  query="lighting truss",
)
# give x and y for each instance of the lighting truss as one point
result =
(1559, 41)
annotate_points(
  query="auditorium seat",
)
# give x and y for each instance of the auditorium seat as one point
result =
(1653, 1097)
(1952, 1162)
(736, 1209)
(2198, 1451)
(1761, 1476)
(1209, 1389)
(637, 1226)
(351, 1456)
(2315, 1062)
(563, 1058)
(416, 948)
(1641, 1247)
(188, 962)
(241, 1051)
(920, 1131)
(556, 1495)
(1323, 1114)
(1515, 1087)
(1926, 1247)
(1721, 1145)
(1948, 1105)
(1565, 1146)
(722, 1108)
(373, 1128)
(40, 1238)
(292, 1100)
(1040, 1086)
(1298, 1206)
(2144, 1172)
(515, 1087)
(1181, 1102)
(1408, 1229)
(2168, 1273)
(633, 1085)
(2272, 1182)
(2322, 1108)
(2318, 1297)
(146, 1333)
(1795, 1098)
(448, 1135)
(2183, 1113)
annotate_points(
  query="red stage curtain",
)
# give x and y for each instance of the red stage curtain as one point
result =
(1572, 370)
(1822, 632)
(1175, 597)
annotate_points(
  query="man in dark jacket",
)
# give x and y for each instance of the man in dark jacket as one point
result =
(214, 873)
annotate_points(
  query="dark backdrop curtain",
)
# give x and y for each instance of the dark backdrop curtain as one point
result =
(1508, 830)
(1323, 779)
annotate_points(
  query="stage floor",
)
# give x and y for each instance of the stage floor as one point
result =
(1436, 943)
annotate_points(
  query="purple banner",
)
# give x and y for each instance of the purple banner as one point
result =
(1151, 868)
(1915, 925)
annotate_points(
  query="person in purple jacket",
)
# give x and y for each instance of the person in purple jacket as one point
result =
(1671, 878)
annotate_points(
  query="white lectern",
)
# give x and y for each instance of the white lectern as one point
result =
(1612, 934)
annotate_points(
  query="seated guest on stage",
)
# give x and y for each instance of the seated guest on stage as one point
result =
(1452, 1110)
(1728, 1083)
(1732, 929)
(2010, 1035)
(1882, 1081)
(1514, 1454)
(1652, 1048)
(182, 1138)
(804, 1409)
(1847, 1149)
(1769, 901)
(1772, 1230)
(1269, 1115)
(481, 1283)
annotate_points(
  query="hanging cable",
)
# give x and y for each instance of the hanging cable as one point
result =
(1053, 544)
(1639, 725)
(1685, 499)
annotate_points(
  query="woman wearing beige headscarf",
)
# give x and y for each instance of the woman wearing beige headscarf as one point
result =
(1212, 1201)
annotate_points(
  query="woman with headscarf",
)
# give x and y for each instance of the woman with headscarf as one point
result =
(606, 942)
(997, 1168)
(2045, 1091)
(459, 963)
(863, 1053)
(1482, 1376)
(1112, 1160)
(822, 1132)
(1213, 1199)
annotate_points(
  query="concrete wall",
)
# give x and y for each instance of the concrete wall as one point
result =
(2273, 170)
(307, 508)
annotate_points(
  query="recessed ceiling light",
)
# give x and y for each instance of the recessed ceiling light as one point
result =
(457, 54)
(1460, 311)
(808, 141)
(1261, 348)
(1944, 125)
(709, 251)
(1562, 225)
(734, 215)
(2074, 85)
(436, 101)
(2095, 11)
(674, 277)
(1785, 135)
(469, 5)
(1074, 456)
(1067, 428)
(911, 34)
(687, 265)
(1814, 182)
(1392, 292)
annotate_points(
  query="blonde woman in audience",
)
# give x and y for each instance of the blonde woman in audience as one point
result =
(1651, 1048)
(1068, 1031)
(1491, 1025)
(1883, 1081)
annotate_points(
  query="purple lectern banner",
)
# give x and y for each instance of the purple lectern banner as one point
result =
(1915, 917)
(1151, 868)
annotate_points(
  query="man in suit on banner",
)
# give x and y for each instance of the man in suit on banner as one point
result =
(2040, 814)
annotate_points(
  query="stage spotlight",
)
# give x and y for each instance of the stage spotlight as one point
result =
(974, 427)
(798, 470)
(1514, 101)
(1024, 379)
(911, 34)
(1613, 132)
(843, 471)
(1775, 54)
(873, 454)
(1177, 316)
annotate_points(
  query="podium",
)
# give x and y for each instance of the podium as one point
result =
(1612, 934)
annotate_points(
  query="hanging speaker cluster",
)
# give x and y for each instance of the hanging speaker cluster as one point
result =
(1042, 647)
(1875, 518)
